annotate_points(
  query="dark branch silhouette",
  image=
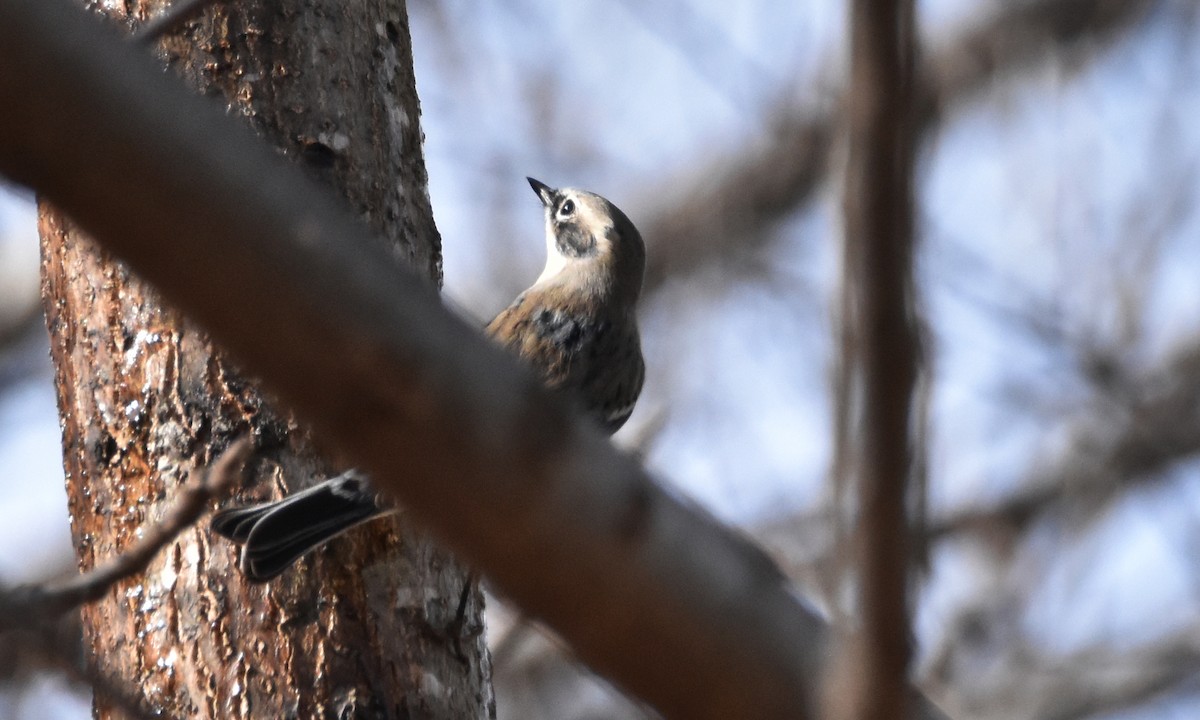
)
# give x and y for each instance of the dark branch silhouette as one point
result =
(649, 589)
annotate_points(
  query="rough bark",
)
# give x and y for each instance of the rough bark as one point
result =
(145, 397)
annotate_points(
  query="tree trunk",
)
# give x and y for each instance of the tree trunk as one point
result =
(144, 397)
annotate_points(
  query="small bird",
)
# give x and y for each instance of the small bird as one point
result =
(575, 326)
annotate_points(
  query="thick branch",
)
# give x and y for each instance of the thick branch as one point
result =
(650, 590)
(727, 207)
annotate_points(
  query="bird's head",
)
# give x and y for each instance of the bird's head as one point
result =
(589, 240)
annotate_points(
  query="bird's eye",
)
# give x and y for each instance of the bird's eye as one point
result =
(567, 208)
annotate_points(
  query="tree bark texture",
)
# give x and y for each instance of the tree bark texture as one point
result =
(145, 398)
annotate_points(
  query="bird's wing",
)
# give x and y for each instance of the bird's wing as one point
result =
(595, 360)
(539, 336)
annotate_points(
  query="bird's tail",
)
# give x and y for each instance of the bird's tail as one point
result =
(275, 534)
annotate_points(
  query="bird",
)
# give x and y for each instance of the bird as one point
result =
(575, 326)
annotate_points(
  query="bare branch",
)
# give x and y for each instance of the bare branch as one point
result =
(47, 602)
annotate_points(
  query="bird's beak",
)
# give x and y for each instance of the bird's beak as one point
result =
(544, 191)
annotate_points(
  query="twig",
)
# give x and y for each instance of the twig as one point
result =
(49, 601)
(171, 20)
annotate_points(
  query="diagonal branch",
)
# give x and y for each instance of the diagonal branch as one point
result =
(30, 616)
(650, 590)
(46, 602)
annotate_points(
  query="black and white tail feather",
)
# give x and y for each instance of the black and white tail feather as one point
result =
(273, 535)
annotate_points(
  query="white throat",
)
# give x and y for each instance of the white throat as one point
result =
(555, 261)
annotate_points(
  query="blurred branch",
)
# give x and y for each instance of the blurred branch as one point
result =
(1023, 683)
(56, 646)
(24, 653)
(536, 677)
(728, 206)
(650, 589)
(1135, 432)
(878, 366)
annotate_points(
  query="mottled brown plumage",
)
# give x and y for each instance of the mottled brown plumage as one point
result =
(593, 357)
(575, 326)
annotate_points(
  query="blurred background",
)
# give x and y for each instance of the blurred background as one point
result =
(1059, 276)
